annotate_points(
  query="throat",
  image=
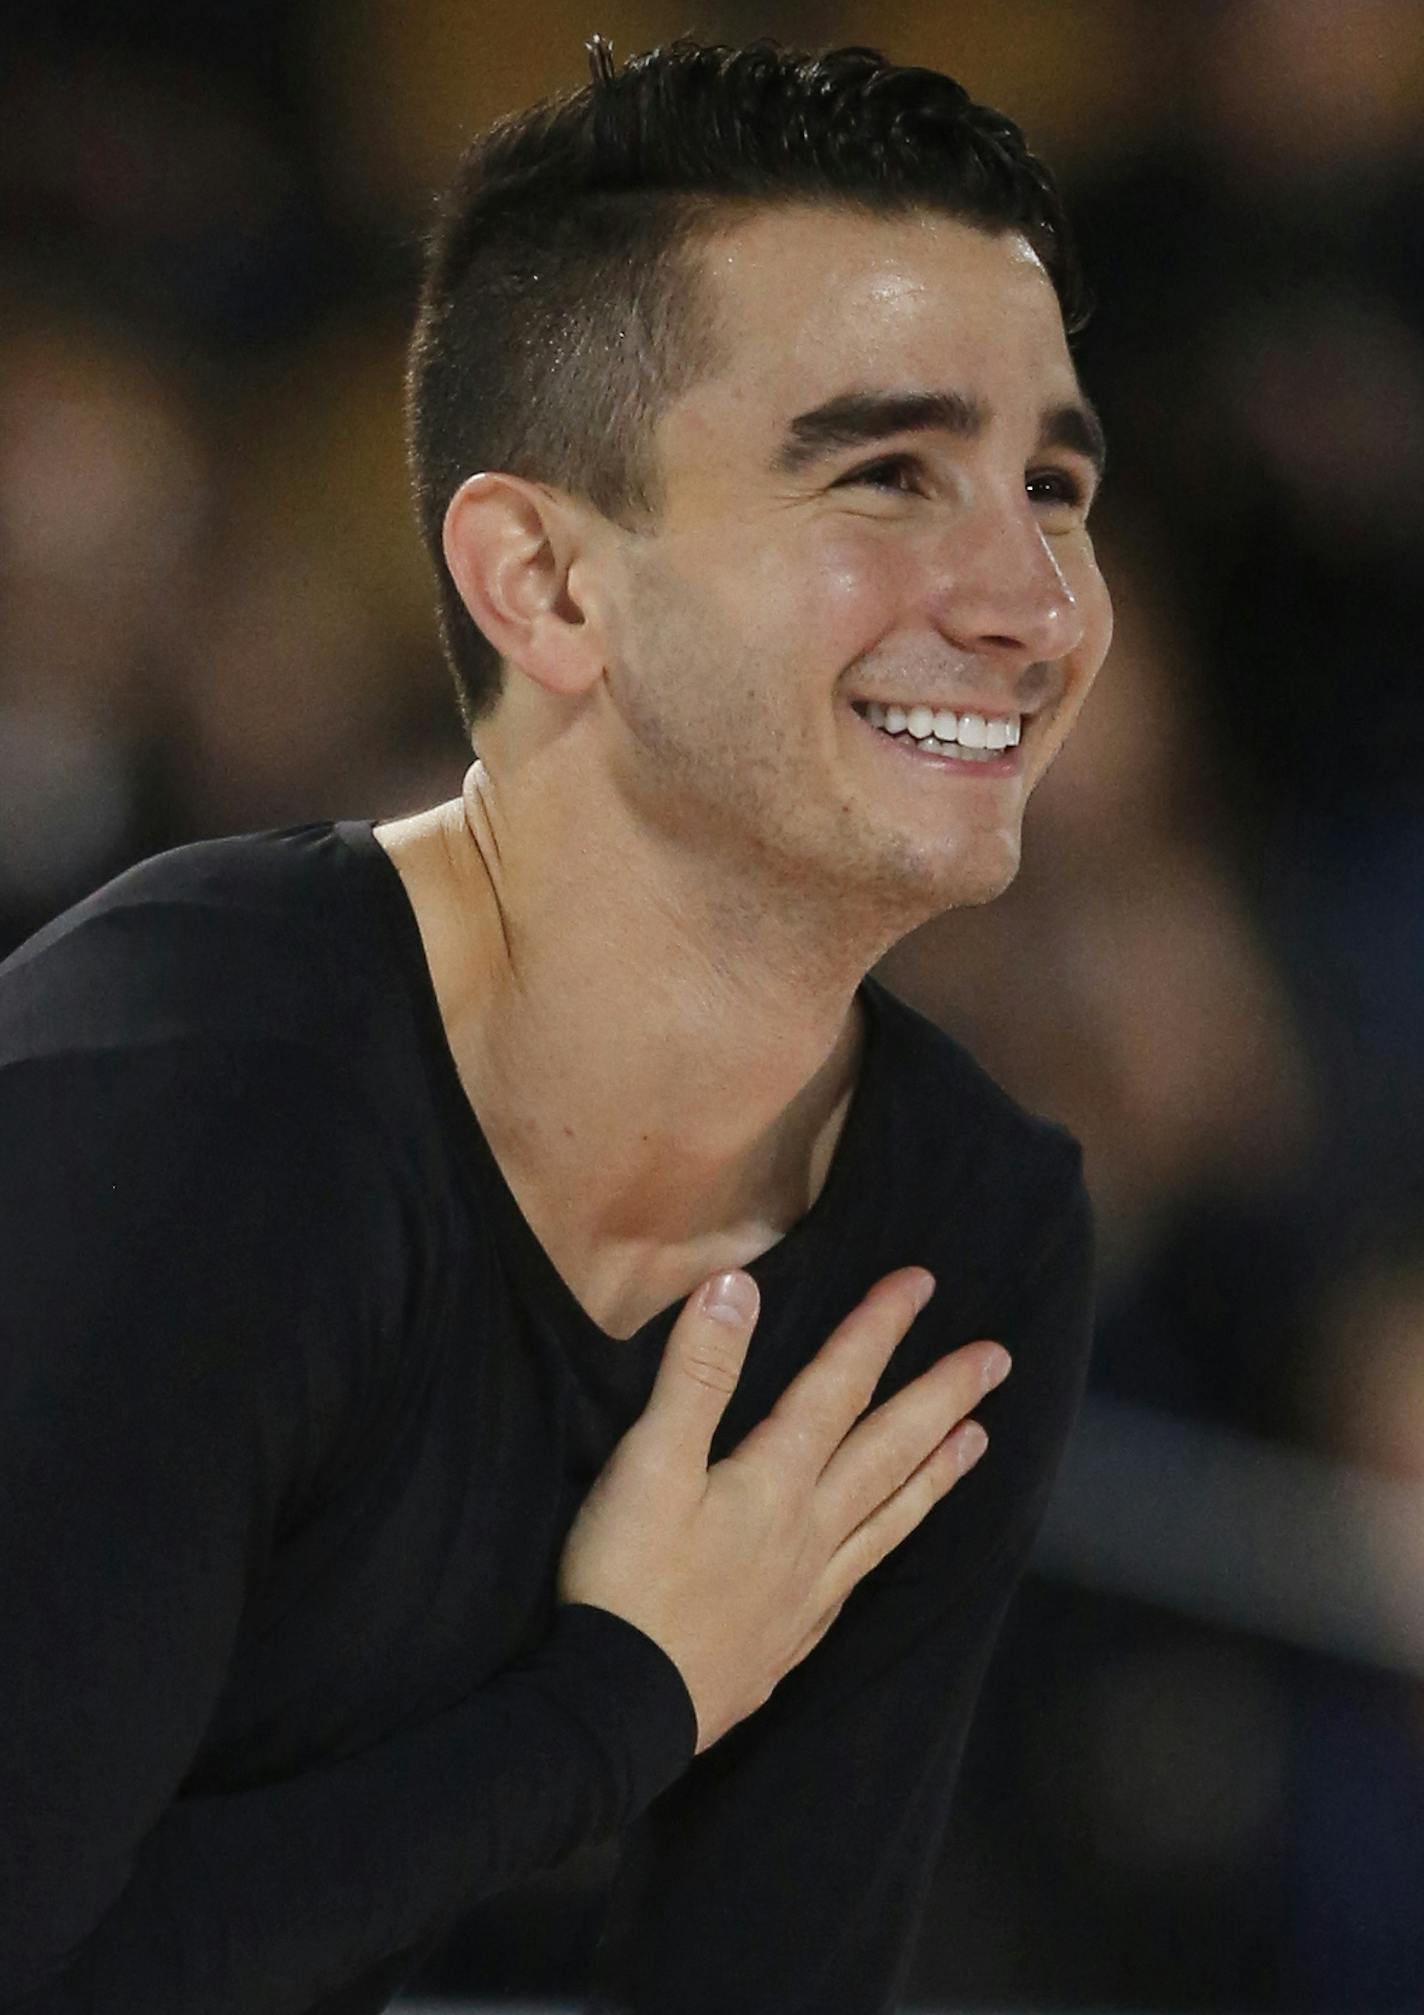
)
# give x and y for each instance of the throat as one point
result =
(623, 1278)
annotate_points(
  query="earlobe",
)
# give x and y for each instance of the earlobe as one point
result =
(510, 546)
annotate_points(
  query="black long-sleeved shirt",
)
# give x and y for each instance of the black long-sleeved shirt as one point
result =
(295, 1413)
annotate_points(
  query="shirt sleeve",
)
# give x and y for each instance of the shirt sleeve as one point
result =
(787, 1871)
(200, 1264)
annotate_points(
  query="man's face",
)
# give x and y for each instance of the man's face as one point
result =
(935, 554)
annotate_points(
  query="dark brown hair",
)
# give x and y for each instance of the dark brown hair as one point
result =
(560, 311)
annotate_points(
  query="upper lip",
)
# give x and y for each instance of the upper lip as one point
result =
(995, 709)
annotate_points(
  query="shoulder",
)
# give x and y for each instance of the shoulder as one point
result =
(192, 1027)
(993, 1199)
(221, 941)
(961, 1140)
(168, 1149)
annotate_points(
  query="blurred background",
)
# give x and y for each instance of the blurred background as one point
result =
(1197, 1777)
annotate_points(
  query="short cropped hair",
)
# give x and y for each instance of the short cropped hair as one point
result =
(561, 309)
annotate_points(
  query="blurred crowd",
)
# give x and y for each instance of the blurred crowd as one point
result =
(215, 617)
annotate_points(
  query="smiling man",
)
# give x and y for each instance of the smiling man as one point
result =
(684, 844)
(357, 1175)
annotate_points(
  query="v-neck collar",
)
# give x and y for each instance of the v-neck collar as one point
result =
(847, 1186)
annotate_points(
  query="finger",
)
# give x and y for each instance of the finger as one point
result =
(876, 1459)
(892, 1522)
(700, 1366)
(827, 1396)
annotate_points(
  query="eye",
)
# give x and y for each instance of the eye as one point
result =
(1057, 486)
(892, 472)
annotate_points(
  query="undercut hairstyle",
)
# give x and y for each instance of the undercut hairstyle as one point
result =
(562, 308)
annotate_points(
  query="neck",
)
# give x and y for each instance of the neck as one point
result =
(655, 1068)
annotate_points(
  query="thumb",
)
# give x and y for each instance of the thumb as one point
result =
(701, 1364)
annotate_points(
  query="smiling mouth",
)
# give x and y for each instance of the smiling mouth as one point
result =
(951, 757)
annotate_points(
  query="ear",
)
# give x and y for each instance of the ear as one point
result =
(511, 547)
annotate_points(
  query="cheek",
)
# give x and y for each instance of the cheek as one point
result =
(849, 590)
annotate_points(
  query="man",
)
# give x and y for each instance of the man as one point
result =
(356, 1177)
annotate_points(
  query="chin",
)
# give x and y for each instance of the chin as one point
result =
(925, 889)
(974, 883)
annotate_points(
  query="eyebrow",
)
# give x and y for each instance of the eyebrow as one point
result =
(857, 419)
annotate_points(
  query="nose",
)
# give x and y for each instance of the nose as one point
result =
(999, 590)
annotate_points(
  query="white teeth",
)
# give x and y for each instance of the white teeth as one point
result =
(941, 729)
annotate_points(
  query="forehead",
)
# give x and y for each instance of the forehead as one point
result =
(811, 302)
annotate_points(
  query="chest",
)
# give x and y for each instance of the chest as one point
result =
(431, 1566)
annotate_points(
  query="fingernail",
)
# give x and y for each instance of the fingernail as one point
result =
(997, 1366)
(924, 1288)
(972, 1443)
(730, 1298)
